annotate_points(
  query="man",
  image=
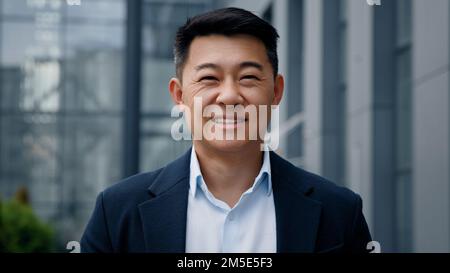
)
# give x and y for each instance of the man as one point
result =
(226, 195)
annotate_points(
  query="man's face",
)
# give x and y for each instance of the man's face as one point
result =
(226, 71)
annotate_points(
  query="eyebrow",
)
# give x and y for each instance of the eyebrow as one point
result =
(242, 65)
(205, 66)
(252, 64)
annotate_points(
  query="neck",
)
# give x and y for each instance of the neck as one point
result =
(229, 174)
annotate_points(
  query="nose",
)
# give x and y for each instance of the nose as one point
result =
(230, 94)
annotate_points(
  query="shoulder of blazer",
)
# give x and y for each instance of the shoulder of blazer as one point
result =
(312, 185)
(132, 191)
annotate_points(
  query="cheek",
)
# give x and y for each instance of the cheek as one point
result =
(259, 96)
(197, 105)
(198, 93)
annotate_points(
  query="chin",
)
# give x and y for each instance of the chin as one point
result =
(232, 145)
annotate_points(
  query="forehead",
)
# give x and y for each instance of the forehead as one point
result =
(226, 50)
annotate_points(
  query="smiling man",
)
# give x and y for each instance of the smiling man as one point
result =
(227, 194)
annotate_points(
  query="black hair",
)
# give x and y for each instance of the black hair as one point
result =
(228, 22)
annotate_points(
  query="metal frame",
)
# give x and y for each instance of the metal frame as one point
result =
(333, 108)
(383, 142)
(132, 89)
(295, 94)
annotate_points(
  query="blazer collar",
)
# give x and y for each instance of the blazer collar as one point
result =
(164, 214)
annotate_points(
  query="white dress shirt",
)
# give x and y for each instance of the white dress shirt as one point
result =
(212, 226)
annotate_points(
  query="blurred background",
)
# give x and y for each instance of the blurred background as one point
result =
(84, 103)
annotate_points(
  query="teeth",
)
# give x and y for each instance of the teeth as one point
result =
(227, 121)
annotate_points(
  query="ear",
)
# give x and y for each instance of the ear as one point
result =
(176, 92)
(278, 89)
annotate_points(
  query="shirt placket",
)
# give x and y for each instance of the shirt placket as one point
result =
(230, 232)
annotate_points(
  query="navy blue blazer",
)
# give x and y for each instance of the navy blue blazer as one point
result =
(147, 212)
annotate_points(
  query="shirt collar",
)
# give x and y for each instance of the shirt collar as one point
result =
(196, 177)
(195, 174)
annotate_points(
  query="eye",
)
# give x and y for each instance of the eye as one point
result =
(249, 77)
(208, 79)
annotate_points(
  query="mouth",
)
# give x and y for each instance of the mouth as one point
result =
(228, 123)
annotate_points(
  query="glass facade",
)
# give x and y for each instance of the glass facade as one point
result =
(60, 80)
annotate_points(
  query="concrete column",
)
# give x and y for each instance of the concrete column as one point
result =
(431, 120)
(313, 83)
(359, 103)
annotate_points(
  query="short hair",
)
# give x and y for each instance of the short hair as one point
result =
(228, 22)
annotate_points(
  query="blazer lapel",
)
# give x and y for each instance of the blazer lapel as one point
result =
(297, 216)
(164, 214)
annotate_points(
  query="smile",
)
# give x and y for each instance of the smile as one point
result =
(222, 121)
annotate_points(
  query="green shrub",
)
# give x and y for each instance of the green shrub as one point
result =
(21, 230)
